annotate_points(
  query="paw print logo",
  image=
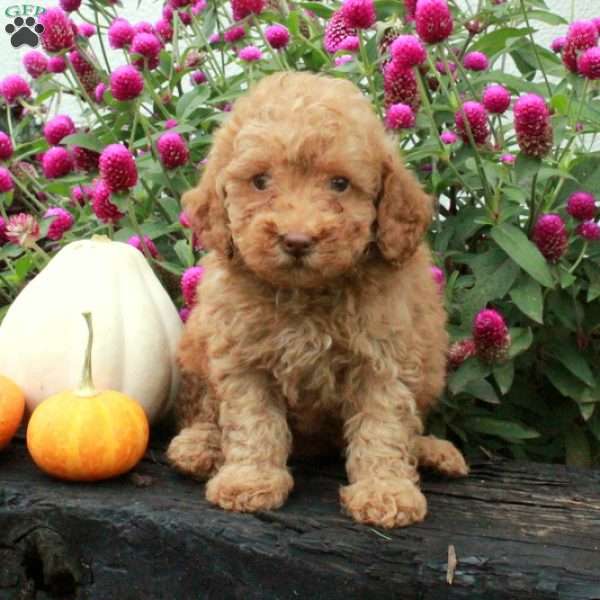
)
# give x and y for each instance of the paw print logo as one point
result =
(24, 31)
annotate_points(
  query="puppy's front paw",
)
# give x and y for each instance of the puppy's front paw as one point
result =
(384, 502)
(441, 456)
(249, 488)
(196, 451)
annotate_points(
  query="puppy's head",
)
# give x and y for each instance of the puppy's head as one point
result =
(301, 180)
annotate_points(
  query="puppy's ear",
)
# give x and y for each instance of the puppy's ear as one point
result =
(204, 204)
(404, 211)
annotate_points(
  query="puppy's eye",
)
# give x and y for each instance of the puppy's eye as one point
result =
(339, 184)
(261, 181)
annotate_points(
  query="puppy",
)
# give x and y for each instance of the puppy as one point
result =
(318, 324)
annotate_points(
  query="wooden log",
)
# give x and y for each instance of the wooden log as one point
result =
(519, 531)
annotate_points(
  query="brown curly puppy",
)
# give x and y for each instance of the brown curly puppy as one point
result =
(318, 322)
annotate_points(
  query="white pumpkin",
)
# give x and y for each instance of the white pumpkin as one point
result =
(136, 326)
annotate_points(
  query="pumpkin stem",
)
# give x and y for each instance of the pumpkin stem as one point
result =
(86, 387)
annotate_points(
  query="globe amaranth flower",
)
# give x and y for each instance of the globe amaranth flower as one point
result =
(589, 231)
(340, 61)
(438, 276)
(242, 8)
(126, 83)
(57, 64)
(85, 159)
(408, 51)
(6, 146)
(135, 241)
(359, 14)
(277, 36)
(350, 43)
(70, 5)
(117, 168)
(198, 7)
(198, 77)
(22, 229)
(448, 137)
(58, 31)
(459, 352)
(164, 30)
(142, 27)
(582, 206)
(172, 150)
(532, 124)
(400, 116)
(6, 180)
(490, 335)
(86, 72)
(13, 87)
(86, 30)
(433, 21)
(558, 44)
(446, 68)
(250, 54)
(120, 33)
(62, 221)
(184, 314)
(58, 128)
(496, 99)
(508, 159)
(477, 118)
(102, 207)
(476, 61)
(588, 63)
(35, 63)
(474, 26)
(189, 283)
(80, 194)
(410, 7)
(550, 236)
(234, 34)
(99, 92)
(148, 46)
(400, 86)
(3, 238)
(57, 162)
(336, 31)
(580, 36)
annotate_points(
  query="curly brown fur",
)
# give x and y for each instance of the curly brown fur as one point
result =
(344, 346)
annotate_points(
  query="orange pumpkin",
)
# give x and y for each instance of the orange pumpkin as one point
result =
(12, 406)
(85, 434)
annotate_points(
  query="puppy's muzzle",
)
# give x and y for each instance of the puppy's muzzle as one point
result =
(297, 244)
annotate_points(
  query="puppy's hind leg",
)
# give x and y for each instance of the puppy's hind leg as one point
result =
(196, 450)
(441, 456)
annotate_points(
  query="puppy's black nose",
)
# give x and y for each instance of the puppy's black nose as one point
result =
(297, 244)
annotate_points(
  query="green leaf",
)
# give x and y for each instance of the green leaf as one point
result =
(527, 295)
(521, 339)
(507, 430)
(594, 423)
(567, 353)
(593, 272)
(515, 243)
(471, 370)
(184, 253)
(525, 169)
(504, 375)
(85, 140)
(586, 171)
(577, 447)
(483, 390)
(491, 43)
(568, 385)
(190, 101)
(319, 9)
(546, 17)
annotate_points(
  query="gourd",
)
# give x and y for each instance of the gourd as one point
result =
(85, 434)
(12, 406)
(41, 334)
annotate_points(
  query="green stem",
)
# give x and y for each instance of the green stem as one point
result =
(579, 258)
(86, 387)
(101, 37)
(152, 87)
(10, 127)
(368, 70)
(532, 208)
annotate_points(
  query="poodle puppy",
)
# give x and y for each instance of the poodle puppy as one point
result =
(318, 324)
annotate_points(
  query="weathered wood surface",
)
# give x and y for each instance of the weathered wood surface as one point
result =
(521, 531)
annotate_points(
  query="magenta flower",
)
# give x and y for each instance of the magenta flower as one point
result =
(476, 61)
(22, 229)
(410, 7)
(198, 7)
(164, 30)
(35, 63)
(400, 116)
(459, 352)
(62, 221)
(336, 31)
(85, 71)
(171, 123)
(250, 54)
(126, 83)
(57, 64)
(99, 92)
(80, 194)
(474, 26)
(580, 36)
(446, 69)
(490, 335)
(189, 283)
(148, 46)
(184, 314)
(117, 168)
(438, 277)
(350, 43)
(3, 238)
(596, 22)
(6, 180)
(234, 34)
(102, 207)
(408, 51)
(448, 137)
(496, 99)
(70, 5)
(86, 30)
(184, 219)
(589, 231)
(243, 8)
(581, 206)
(57, 162)
(359, 14)
(340, 61)
(85, 159)
(58, 31)
(58, 128)
(558, 44)
(477, 117)
(120, 33)
(532, 124)
(142, 27)
(214, 38)
(13, 87)
(6, 146)
(278, 36)
(588, 63)
(198, 77)
(433, 21)
(400, 85)
(508, 159)
(135, 241)
(550, 236)
(172, 150)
